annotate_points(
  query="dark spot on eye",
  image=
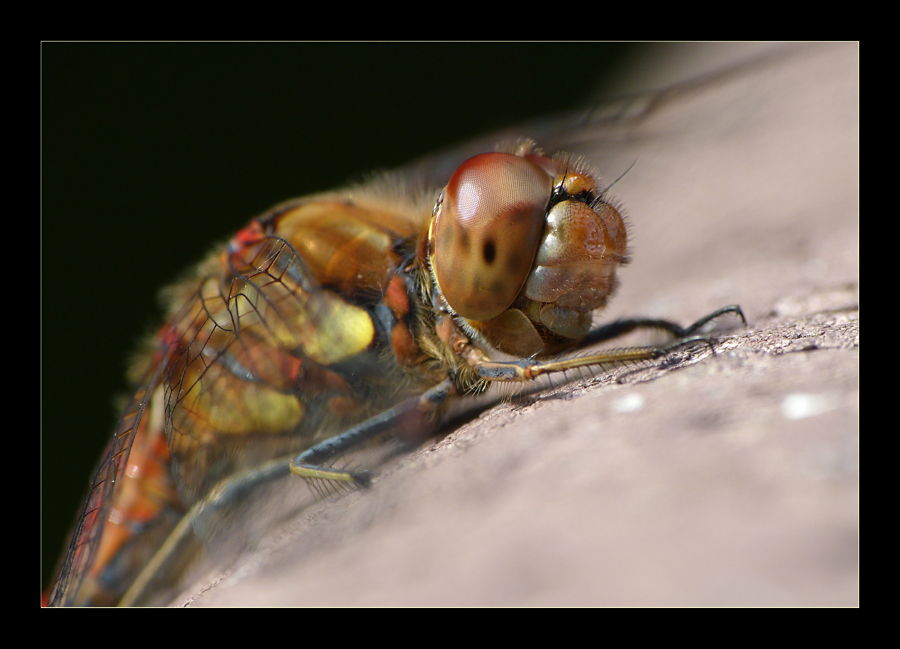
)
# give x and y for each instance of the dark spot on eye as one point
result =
(490, 251)
(463, 242)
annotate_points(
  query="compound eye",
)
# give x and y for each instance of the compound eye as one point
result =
(486, 232)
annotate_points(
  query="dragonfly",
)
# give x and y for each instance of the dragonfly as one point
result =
(234, 361)
(332, 321)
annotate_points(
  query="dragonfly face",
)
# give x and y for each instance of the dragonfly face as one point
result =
(326, 311)
(524, 248)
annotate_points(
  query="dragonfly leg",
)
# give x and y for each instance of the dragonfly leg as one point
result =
(527, 370)
(309, 465)
(627, 325)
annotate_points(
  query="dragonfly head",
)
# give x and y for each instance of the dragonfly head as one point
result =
(524, 247)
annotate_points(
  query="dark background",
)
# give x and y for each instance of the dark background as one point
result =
(152, 153)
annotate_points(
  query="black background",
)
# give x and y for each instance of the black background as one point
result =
(154, 152)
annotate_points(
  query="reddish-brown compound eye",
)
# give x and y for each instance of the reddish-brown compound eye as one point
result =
(486, 232)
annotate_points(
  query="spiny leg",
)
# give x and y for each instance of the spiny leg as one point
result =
(528, 370)
(627, 325)
(310, 465)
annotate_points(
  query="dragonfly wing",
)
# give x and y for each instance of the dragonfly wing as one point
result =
(88, 552)
(285, 346)
(258, 359)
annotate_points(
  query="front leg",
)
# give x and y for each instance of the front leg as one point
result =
(627, 325)
(527, 370)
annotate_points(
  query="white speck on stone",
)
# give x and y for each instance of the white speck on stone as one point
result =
(629, 403)
(800, 405)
